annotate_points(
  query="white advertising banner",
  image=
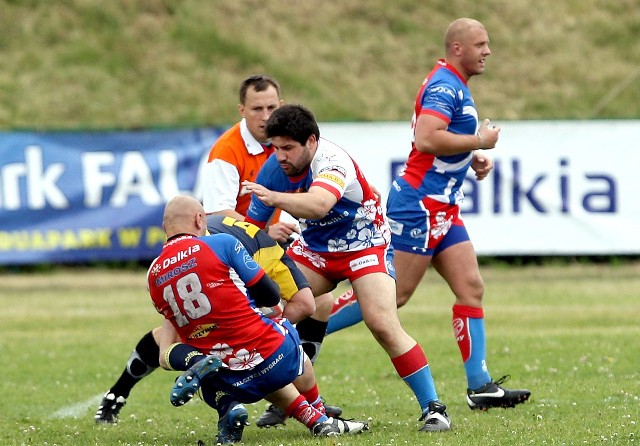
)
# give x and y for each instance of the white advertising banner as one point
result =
(557, 188)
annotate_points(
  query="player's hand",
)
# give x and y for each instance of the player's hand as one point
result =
(488, 135)
(282, 232)
(482, 165)
(275, 311)
(261, 193)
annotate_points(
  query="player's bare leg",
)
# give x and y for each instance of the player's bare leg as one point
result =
(410, 269)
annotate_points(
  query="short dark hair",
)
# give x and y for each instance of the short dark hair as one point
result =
(294, 121)
(259, 82)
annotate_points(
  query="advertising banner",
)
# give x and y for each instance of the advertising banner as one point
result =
(557, 188)
(73, 197)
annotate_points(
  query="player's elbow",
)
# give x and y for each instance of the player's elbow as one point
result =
(320, 207)
(426, 145)
(313, 212)
(306, 302)
(301, 306)
(317, 214)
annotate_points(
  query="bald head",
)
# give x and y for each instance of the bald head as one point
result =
(467, 46)
(184, 215)
(459, 31)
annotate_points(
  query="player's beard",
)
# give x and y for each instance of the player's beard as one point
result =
(293, 170)
(289, 169)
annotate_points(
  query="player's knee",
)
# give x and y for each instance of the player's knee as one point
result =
(404, 291)
(383, 331)
(477, 289)
(471, 296)
(323, 306)
(402, 299)
(138, 368)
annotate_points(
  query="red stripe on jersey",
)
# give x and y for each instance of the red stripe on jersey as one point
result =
(328, 187)
(428, 111)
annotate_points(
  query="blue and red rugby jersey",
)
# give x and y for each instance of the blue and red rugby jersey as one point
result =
(356, 221)
(444, 93)
(198, 283)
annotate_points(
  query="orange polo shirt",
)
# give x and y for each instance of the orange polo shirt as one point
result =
(235, 157)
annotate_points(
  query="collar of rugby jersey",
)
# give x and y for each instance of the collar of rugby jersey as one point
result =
(254, 147)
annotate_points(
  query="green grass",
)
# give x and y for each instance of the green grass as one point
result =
(567, 332)
(124, 63)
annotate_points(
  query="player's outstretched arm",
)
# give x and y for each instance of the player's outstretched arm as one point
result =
(314, 204)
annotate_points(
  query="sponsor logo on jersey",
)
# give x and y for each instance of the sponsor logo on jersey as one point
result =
(246, 257)
(441, 89)
(215, 284)
(156, 269)
(202, 330)
(176, 271)
(180, 256)
(335, 168)
(416, 233)
(328, 176)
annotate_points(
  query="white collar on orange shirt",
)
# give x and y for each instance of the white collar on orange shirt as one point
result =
(253, 145)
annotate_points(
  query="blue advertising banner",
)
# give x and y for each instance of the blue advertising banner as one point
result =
(74, 197)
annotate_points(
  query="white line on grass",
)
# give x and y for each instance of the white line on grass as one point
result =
(77, 409)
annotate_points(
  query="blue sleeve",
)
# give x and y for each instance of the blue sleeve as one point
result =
(258, 211)
(440, 96)
(233, 253)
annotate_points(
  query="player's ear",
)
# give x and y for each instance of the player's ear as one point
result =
(457, 48)
(201, 223)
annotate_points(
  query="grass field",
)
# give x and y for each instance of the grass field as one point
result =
(567, 332)
(136, 64)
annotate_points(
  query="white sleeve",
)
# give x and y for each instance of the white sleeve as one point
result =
(220, 184)
(333, 169)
